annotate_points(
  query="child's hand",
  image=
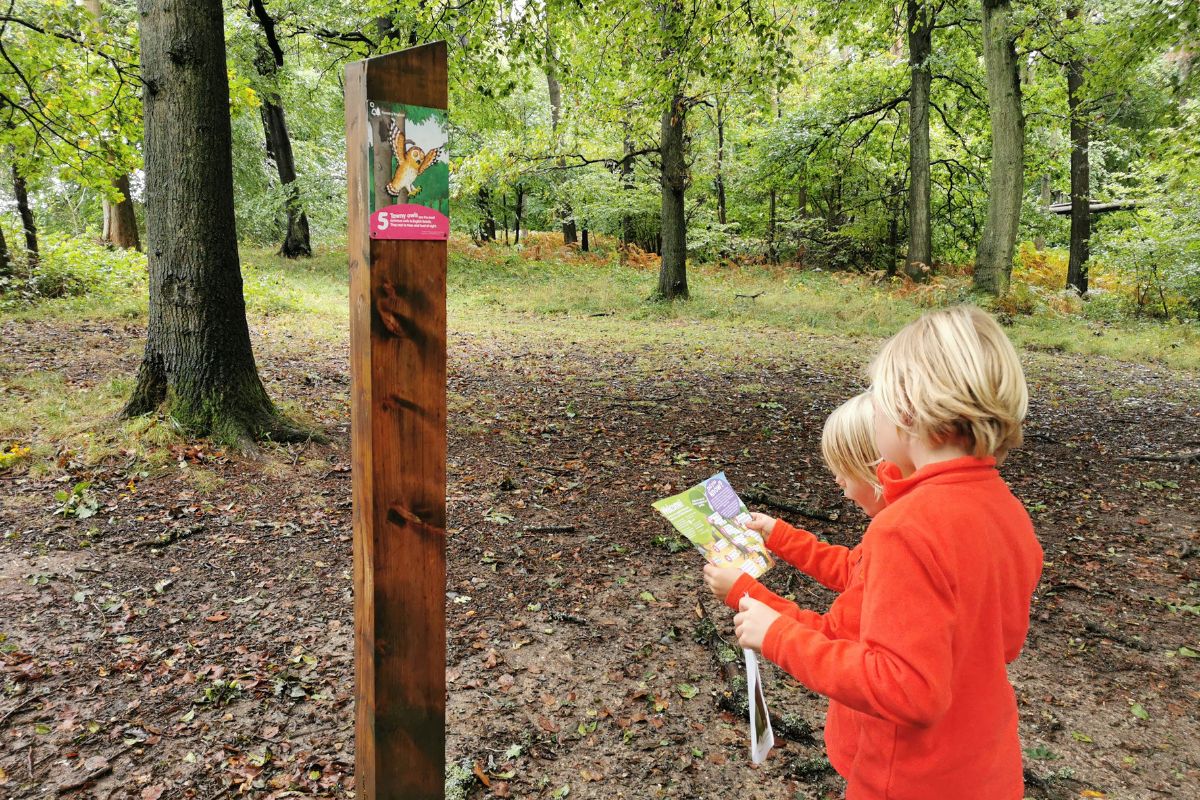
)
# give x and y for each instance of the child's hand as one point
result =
(761, 523)
(721, 579)
(750, 624)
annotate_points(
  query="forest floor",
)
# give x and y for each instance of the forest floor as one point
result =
(181, 626)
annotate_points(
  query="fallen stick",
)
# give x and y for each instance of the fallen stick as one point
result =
(91, 777)
(549, 528)
(1178, 458)
(736, 699)
(791, 508)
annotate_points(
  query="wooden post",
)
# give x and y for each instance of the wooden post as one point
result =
(398, 452)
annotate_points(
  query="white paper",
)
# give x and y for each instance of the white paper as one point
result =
(762, 738)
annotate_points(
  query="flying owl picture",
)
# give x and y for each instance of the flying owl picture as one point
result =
(410, 175)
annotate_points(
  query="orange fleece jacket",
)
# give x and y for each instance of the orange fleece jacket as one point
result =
(912, 654)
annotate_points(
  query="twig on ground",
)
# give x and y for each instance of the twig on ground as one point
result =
(735, 698)
(749, 296)
(549, 528)
(1179, 458)
(171, 536)
(1112, 636)
(562, 617)
(20, 706)
(791, 508)
(91, 777)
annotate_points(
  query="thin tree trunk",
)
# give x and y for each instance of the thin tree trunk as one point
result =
(120, 221)
(720, 181)
(919, 260)
(672, 276)
(1081, 215)
(520, 208)
(993, 259)
(268, 61)
(627, 232)
(772, 251)
(569, 229)
(488, 226)
(198, 358)
(1039, 241)
(583, 245)
(6, 263)
(21, 192)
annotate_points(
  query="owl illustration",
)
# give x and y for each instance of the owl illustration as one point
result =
(413, 162)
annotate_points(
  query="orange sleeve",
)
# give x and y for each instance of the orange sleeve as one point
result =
(828, 564)
(747, 585)
(900, 667)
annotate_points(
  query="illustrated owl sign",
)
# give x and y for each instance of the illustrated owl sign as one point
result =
(410, 172)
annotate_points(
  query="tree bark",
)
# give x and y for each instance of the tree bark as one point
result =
(21, 192)
(565, 213)
(584, 245)
(268, 61)
(518, 210)
(488, 226)
(672, 276)
(772, 214)
(993, 258)
(720, 181)
(919, 261)
(6, 263)
(1081, 213)
(627, 184)
(120, 221)
(198, 359)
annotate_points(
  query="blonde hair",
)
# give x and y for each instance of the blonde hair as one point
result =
(953, 374)
(848, 441)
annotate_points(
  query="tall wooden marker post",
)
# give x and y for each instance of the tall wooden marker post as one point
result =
(398, 430)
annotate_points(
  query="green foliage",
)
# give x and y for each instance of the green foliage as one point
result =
(74, 267)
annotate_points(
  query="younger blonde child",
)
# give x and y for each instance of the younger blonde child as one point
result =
(848, 446)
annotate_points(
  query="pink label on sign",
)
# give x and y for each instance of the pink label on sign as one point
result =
(409, 221)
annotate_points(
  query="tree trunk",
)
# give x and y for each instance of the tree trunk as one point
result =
(570, 234)
(1039, 241)
(672, 276)
(120, 222)
(198, 358)
(627, 232)
(268, 61)
(6, 264)
(1081, 213)
(993, 258)
(584, 244)
(919, 260)
(518, 210)
(488, 226)
(21, 192)
(772, 213)
(720, 161)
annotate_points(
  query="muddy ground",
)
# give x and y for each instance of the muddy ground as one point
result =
(193, 636)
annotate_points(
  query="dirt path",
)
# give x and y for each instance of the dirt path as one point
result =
(193, 638)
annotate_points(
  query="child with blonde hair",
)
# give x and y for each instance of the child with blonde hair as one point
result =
(938, 603)
(848, 446)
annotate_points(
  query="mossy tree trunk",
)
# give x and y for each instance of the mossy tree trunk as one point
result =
(993, 258)
(198, 361)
